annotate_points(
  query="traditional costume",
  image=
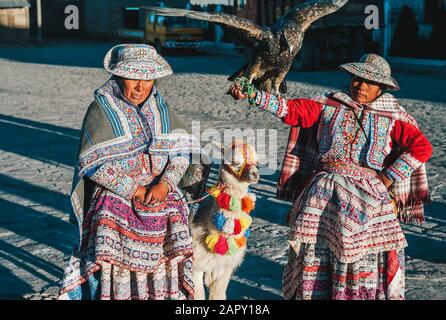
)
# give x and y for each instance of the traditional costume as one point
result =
(346, 240)
(128, 249)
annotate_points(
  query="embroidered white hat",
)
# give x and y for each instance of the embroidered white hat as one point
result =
(136, 61)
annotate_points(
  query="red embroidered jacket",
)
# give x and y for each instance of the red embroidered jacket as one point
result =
(306, 113)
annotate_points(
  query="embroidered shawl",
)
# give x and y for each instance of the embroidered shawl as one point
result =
(301, 158)
(112, 130)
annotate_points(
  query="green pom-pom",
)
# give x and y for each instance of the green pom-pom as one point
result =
(235, 204)
(232, 246)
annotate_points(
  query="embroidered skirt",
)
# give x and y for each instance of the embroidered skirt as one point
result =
(344, 221)
(132, 251)
(315, 273)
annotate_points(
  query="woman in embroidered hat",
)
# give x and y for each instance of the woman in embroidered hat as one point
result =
(134, 239)
(354, 164)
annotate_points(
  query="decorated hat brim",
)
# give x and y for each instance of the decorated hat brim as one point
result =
(144, 69)
(372, 73)
(138, 71)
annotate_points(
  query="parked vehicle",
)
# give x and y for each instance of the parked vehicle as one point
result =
(173, 32)
(162, 32)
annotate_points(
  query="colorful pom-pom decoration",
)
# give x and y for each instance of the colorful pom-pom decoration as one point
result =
(232, 246)
(235, 205)
(247, 204)
(229, 226)
(245, 222)
(223, 200)
(241, 241)
(232, 233)
(237, 227)
(211, 240)
(219, 221)
(221, 247)
(214, 191)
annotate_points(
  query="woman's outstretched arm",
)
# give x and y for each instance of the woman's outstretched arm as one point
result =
(294, 112)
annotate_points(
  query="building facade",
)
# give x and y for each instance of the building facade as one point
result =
(14, 20)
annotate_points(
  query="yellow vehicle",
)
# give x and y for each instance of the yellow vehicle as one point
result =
(173, 32)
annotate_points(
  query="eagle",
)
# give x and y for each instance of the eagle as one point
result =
(273, 49)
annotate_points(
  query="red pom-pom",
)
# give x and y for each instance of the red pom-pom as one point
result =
(223, 200)
(237, 226)
(221, 247)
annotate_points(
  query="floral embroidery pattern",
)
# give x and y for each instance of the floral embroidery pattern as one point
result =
(403, 167)
(380, 128)
(271, 103)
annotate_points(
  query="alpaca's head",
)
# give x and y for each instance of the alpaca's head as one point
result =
(239, 167)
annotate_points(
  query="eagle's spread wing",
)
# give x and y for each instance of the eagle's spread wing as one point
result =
(246, 31)
(305, 14)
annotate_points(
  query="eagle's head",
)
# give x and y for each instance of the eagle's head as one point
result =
(288, 42)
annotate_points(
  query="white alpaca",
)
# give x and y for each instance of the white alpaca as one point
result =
(236, 173)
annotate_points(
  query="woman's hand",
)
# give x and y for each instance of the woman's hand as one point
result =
(236, 92)
(383, 177)
(140, 194)
(157, 193)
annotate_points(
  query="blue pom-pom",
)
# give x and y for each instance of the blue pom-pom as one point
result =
(219, 221)
(247, 232)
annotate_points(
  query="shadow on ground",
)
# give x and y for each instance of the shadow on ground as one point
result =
(37, 226)
(40, 141)
(430, 243)
(32, 227)
(9, 280)
(12, 286)
(49, 144)
(46, 233)
(261, 273)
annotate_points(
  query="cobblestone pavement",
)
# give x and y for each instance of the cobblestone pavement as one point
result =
(44, 94)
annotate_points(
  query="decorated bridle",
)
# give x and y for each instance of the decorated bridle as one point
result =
(248, 159)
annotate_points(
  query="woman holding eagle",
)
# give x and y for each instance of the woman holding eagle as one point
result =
(354, 164)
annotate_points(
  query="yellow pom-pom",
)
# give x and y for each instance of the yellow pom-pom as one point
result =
(214, 191)
(211, 241)
(245, 222)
